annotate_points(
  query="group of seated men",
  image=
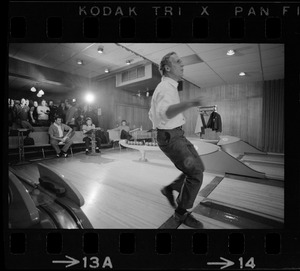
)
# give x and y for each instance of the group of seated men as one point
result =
(58, 129)
(63, 121)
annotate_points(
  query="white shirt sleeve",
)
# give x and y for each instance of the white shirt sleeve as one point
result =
(163, 101)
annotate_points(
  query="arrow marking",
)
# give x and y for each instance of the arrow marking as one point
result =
(71, 262)
(225, 264)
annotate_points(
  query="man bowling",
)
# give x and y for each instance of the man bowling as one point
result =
(166, 116)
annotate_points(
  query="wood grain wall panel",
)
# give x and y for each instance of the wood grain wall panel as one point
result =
(240, 107)
(117, 104)
(255, 122)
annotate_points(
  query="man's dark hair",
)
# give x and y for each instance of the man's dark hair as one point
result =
(57, 117)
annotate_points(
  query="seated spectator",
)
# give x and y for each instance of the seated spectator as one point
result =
(85, 128)
(23, 115)
(56, 133)
(33, 114)
(43, 114)
(124, 130)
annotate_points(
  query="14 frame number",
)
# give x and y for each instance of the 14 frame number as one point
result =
(249, 263)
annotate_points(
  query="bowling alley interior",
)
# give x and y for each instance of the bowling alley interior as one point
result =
(111, 177)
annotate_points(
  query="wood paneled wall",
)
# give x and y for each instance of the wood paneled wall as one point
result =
(240, 107)
(117, 104)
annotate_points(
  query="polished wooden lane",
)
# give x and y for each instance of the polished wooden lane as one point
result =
(256, 198)
(122, 192)
(119, 192)
(276, 159)
(271, 165)
(271, 170)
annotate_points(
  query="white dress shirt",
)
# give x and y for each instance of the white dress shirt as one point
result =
(41, 112)
(165, 94)
(60, 131)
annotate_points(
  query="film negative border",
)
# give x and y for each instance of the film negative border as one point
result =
(151, 21)
(126, 249)
(265, 22)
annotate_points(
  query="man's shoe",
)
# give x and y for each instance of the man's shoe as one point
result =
(64, 154)
(98, 151)
(169, 195)
(58, 155)
(86, 152)
(189, 220)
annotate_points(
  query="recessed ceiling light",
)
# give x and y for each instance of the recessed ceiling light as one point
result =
(128, 62)
(79, 62)
(33, 89)
(230, 52)
(106, 70)
(242, 74)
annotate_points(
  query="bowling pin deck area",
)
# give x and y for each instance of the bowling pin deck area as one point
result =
(122, 192)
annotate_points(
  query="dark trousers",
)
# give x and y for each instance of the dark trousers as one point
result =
(125, 135)
(184, 156)
(103, 135)
(65, 147)
(88, 140)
